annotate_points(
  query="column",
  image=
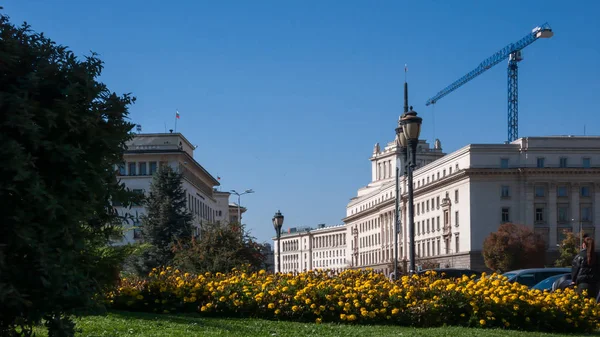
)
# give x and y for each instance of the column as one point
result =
(596, 210)
(552, 216)
(575, 207)
(529, 205)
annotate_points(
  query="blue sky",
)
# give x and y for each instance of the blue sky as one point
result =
(289, 97)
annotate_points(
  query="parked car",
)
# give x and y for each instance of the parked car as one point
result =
(531, 277)
(550, 283)
(451, 272)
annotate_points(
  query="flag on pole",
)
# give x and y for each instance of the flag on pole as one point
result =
(177, 114)
(218, 178)
(405, 67)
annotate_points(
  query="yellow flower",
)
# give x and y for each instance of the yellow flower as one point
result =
(482, 321)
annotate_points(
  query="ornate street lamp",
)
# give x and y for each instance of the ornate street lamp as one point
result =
(277, 224)
(411, 128)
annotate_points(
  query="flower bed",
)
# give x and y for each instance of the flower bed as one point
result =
(360, 297)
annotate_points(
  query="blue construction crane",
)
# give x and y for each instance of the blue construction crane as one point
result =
(513, 53)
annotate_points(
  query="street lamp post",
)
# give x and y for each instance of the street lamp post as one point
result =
(277, 223)
(239, 195)
(411, 128)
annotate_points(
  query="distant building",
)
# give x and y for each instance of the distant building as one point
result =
(145, 155)
(550, 184)
(269, 264)
(233, 213)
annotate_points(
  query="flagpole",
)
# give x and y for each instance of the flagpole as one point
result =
(176, 118)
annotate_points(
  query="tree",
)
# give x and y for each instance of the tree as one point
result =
(513, 247)
(62, 134)
(168, 221)
(221, 248)
(568, 248)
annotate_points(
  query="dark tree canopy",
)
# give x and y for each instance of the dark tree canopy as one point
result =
(514, 247)
(167, 221)
(62, 134)
(568, 248)
(220, 248)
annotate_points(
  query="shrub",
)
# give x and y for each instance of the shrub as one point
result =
(359, 297)
(513, 247)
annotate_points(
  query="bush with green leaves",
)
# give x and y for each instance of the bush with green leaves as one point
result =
(62, 134)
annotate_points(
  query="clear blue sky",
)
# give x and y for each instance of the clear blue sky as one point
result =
(289, 97)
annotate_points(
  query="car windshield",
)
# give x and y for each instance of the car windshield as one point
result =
(547, 283)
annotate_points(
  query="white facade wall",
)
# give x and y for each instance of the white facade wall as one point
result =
(145, 154)
(472, 191)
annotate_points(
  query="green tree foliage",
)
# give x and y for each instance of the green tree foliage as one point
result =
(220, 248)
(513, 247)
(62, 134)
(568, 248)
(168, 220)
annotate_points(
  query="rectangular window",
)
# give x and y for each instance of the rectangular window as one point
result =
(143, 171)
(457, 244)
(586, 213)
(439, 251)
(505, 191)
(427, 225)
(504, 163)
(456, 219)
(132, 170)
(122, 170)
(539, 214)
(438, 223)
(540, 162)
(563, 162)
(450, 170)
(505, 214)
(586, 163)
(456, 196)
(437, 202)
(562, 191)
(427, 205)
(418, 228)
(540, 191)
(585, 191)
(563, 213)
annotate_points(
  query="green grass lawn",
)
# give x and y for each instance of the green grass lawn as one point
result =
(117, 324)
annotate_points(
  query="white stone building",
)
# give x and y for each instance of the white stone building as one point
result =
(308, 248)
(550, 184)
(144, 156)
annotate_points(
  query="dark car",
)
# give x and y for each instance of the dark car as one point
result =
(550, 283)
(531, 277)
(451, 272)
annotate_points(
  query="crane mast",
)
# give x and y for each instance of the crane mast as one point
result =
(513, 53)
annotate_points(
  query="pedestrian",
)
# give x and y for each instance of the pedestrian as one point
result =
(585, 273)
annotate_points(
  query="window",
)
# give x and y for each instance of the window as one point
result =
(152, 167)
(504, 163)
(539, 214)
(456, 196)
(437, 202)
(122, 170)
(450, 170)
(143, 171)
(563, 162)
(540, 191)
(505, 214)
(456, 218)
(562, 191)
(586, 213)
(586, 163)
(132, 169)
(438, 223)
(457, 248)
(505, 191)
(427, 225)
(540, 162)
(585, 191)
(427, 205)
(439, 251)
(563, 213)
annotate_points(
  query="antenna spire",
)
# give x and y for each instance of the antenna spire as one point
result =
(405, 89)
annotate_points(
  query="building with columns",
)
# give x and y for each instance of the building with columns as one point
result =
(550, 184)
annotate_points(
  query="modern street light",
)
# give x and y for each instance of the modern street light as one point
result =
(277, 223)
(239, 195)
(411, 128)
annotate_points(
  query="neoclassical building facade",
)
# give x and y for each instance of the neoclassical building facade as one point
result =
(551, 184)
